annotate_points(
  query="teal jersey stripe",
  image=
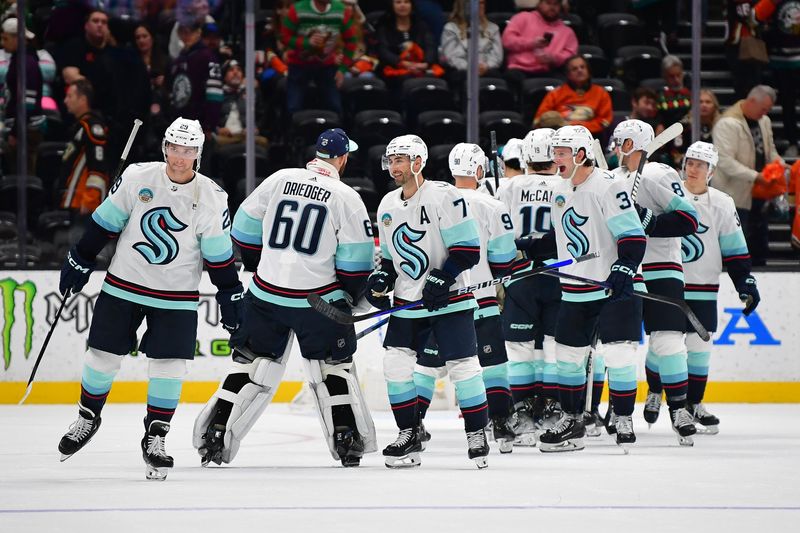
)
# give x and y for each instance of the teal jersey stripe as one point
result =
(95, 382)
(679, 203)
(148, 301)
(502, 249)
(496, 382)
(464, 234)
(590, 296)
(625, 374)
(484, 312)
(355, 257)
(424, 313)
(496, 372)
(704, 296)
(385, 253)
(625, 225)
(110, 217)
(297, 303)
(401, 391)
(217, 248)
(246, 228)
(733, 244)
(164, 392)
(662, 274)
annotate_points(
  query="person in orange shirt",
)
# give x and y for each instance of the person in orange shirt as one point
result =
(84, 165)
(579, 102)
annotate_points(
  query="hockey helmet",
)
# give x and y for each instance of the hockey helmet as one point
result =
(576, 138)
(514, 149)
(639, 132)
(410, 145)
(702, 151)
(465, 158)
(184, 132)
(537, 145)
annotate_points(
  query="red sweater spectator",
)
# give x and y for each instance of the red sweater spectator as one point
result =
(537, 42)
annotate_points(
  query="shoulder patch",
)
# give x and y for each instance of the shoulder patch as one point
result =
(97, 130)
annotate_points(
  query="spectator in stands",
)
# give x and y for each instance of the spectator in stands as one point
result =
(578, 101)
(231, 127)
(271, 69)
(316, 34)
(47, 66)
(157, 63)
(644, 108)
(405, 45)
(455, 43)
(783, 43)
(33, 94)
(432, 13)
(746, 74)
(709, 115)
(675, 99)
(538, 43)
(744, 139)
(211, 35)
(84, 170)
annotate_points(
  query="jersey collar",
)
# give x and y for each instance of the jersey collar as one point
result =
(318, 166)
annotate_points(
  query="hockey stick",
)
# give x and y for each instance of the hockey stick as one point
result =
(326, 309)
(495, 167)
(136, 124)
(29, 386)
(693, 320)
(660, 140)
(599, 156)
(590, 371)
(373, 327)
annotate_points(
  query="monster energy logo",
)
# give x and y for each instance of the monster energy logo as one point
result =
(9, 288)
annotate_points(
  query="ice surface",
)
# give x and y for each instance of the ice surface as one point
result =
(744, 479)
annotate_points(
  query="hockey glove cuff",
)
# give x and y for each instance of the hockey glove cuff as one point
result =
(379, 284)
(437, 286)
(231, 304)
(620, 280)
(748, 293)
(75, 273)
(647, 217)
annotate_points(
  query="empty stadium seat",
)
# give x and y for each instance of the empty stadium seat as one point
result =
(533, 92)
(359, 94)
(638, 62)
(35, 197)
(616, 30)
(495, 95)
(365, 188)
(438, 168)
(425, 94)
(441, 127)
(377, 126)
(307, 125)
(596, 58)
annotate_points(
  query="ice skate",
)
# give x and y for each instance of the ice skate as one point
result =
(610, 421)
(478, 448)
(80, 433)
(592, 421)
(708, 423)
(211, 451)
(625, 434)
(652, 407)
(404, 452)
(349, 446)
(157, 462)
(521, 421)
(424, 435)
(503, 434)
(551, 414)
(566, 436)
(682, 426)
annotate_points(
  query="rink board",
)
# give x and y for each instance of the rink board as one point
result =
(754, 358)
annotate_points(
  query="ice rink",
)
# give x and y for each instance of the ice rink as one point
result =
(747, 478)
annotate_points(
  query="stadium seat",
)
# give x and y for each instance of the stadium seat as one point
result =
(52, 221)
(425, 94)
(620, 97)
(365, 188)
(438, 168)
(380, 178)
(48, 168)
(359, 94)
(533, 92)
(233, 169)
(655, 84)
(377, 126)
(506, 125)
(307, 125)
(35, 195)
(8, 225)
(638, 62)
(9, 254)
(54, 128)
(494, 95)
(440, 127)
(619, 29)
(501, 18)
(574, 21)
(596, 58)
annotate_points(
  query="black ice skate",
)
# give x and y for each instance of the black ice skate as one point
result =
(80, 433)
(625, 434)
(522, 423)
(566, 436)
(610, 421)
(157, 462)
(709, 424)
(592, 421)
(404, 452)
(652, 407)
(214, 442)
(478, 448)
(682, 426)
(550, 415)
(424, 436)
(503, 434)
(349, 446)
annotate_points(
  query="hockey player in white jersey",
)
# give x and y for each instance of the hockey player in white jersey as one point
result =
(666, 215)
(169, 220)
(512, 163)
(301, 231)
(719, 241)
(531, 304)
(498, 252)
(593, 212)
(429, 241)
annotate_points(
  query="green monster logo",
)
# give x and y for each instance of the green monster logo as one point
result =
(8, 287)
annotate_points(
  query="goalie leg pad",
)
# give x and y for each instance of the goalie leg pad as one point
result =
(317, 372)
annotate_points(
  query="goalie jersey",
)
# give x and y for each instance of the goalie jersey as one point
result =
(313, 234)
(661, 191)
(169, 230)
(719, 241)
(595, 216)
(498, 251)
(420, 234)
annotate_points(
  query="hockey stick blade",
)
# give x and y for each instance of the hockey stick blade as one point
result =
(339, 316)
(660, 140)
(681, 304)
(600, 157)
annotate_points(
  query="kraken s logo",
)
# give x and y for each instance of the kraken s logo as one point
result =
(161, 247)
(691, 246)
(415, 260)
(578, 243)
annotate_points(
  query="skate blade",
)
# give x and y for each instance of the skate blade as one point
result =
(64, 457)
(406, 461)
(481, 462)
(155, 474)
(505, 446)
(685, 441)
(526, 440)
(707, 430)
(571, 445)
(593, 431)
(626, 448)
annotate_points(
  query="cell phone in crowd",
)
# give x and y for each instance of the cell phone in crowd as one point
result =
(547, 37)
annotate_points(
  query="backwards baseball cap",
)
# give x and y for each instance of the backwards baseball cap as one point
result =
(11, 26)
(334, 143)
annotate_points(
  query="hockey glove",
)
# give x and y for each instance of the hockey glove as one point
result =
(231, 303)
(434, 292)
(379, 284)
(748, 293)
(75, 273)
(620, 280)
(647, 217)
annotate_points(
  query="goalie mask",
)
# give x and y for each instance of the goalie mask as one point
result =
(702, 151)
(640, 133)
(184, 133)
(465, 159)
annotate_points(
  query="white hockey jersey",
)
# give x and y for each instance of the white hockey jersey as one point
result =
(487, 186)
(718, 239)
(419, 234)
(167, 230)
(313, 232)
(528, 199)
(661, 191)
(594, 216)
(497, 246)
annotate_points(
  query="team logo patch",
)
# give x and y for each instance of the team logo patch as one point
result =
(691, 246)
(97, 130)
(145, 195)
(415, 261)
(386, 219)
(487, 348)
(340, 343)
(578, 242)
(160, 247)
(560, 201)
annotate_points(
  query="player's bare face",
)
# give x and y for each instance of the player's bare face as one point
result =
(180, 162)
(400, 169)
(696, 172)
(562, 157)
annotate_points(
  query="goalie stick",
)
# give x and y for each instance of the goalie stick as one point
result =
(660, 140)
(326, 309)
(693, 320)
